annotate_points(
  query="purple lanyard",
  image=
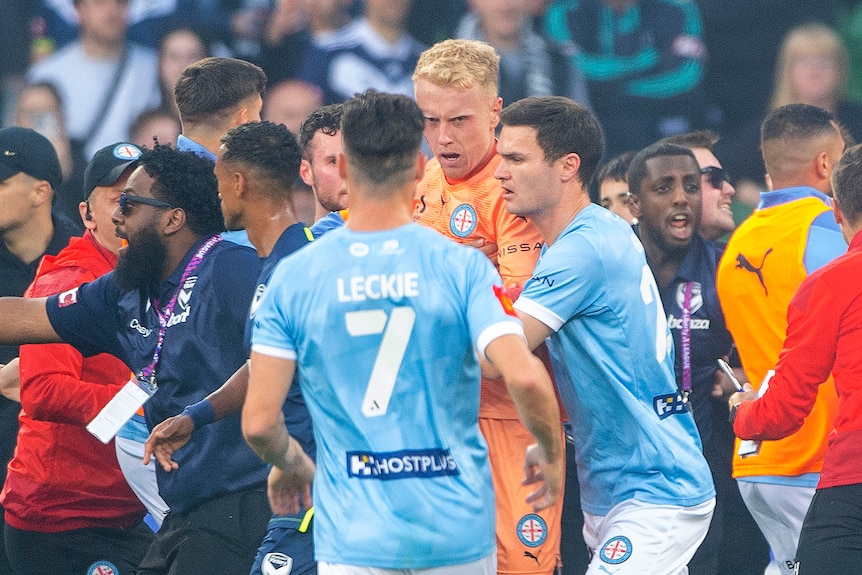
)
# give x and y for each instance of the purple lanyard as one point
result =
(685, 337)
(148, 373)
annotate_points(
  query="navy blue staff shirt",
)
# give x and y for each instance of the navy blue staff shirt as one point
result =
(203, 347)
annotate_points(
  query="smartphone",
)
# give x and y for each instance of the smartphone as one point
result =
(729, 373)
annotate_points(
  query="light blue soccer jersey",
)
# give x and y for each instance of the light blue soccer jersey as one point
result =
(385, 328)
(612, 356)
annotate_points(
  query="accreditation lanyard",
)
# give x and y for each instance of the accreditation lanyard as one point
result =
(685, 337)
(147, 374)
(142, 387)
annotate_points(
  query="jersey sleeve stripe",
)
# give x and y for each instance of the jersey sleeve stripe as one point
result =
(539, 312)
(273, 351)
(496, 330)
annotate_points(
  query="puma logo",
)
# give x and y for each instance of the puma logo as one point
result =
(742, 262)
(531, 556)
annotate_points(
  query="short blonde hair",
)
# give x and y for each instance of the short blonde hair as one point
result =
(460, 64)
(809, 38)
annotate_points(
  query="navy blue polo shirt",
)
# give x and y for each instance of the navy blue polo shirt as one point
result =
(296, 416)
(203, 347)
(710, 338)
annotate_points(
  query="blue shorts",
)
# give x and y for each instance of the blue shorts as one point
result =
(288, 541)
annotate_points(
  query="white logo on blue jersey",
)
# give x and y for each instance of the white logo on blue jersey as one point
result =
(401, 464)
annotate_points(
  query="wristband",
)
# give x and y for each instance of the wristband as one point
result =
(201, 413)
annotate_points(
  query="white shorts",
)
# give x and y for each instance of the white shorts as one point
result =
(484, 566)
(778, 511)
(642, 539)
(141, 478)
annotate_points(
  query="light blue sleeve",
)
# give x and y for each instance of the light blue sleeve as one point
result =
(825, 242)
(489, 310)
(564, 283)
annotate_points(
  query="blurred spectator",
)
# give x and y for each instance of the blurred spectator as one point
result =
(156, 125)
(289, 102)
(432, 21)
(55, 23)
(40, 108)
(294, 26)
(613, 183)
(812, 68)
(529, 64)
(105, 81)
(178, 49)
(15, 17)
(374, 51)
(643, 60)
(742, 37)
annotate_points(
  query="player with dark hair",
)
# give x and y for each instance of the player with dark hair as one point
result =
(593, 297)
(401, 467)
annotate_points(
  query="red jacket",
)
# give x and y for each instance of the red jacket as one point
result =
(61, 477)
(824, 330)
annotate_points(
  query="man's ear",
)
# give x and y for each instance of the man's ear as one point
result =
(570, 164)
(635, 205)
(176, 221)
(41, 193)
(305, 172)
(86, 216)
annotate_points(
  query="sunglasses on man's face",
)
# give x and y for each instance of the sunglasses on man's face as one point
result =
(128, 200)
(717, 176)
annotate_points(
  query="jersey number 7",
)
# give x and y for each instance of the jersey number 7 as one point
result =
(396, 333)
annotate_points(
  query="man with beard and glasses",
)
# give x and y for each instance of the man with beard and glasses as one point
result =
(665, 184)
(256, 169)
(174, 311)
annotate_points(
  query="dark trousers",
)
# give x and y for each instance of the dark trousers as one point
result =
(831, 538)
(77, 552)
(219, 536)
(573, 551)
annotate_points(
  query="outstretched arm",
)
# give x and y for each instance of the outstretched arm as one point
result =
(25, 320)
(532, 391)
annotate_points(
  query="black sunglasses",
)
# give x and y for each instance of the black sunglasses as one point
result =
(126, 199)
(717, 176)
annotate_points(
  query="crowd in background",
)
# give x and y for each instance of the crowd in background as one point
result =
(652, 70)
(699, 77)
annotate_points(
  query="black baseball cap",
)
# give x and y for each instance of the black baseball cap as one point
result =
(108, 164)
(28, 151)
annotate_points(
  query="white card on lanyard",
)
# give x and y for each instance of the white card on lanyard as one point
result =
(118, 411)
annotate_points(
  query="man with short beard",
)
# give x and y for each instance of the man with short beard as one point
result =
(665, 185)
(177, 321)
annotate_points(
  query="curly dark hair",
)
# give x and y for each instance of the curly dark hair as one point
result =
(268, 149)
(185, 180)
(326, 119)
